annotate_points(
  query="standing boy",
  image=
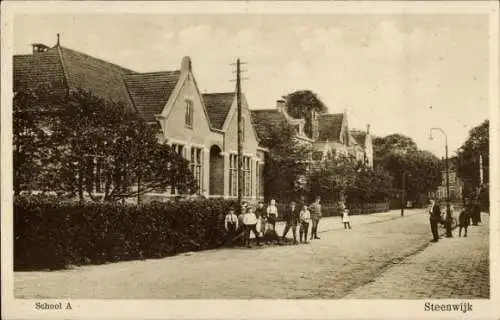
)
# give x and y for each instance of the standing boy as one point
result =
(305, 219)
(231, 225)
(261, 214)
(250, 222)
(272, 214)
(292, 219)
(315, 217)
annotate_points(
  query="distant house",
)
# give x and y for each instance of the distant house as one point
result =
(456, 184)
(330, 134)
(200, 127)
(264, 119)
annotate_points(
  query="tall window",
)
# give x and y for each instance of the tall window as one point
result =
(196, 161)
(247, 182)
(233, 175)
(189, 113)
(260, 177)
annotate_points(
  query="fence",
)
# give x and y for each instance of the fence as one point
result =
(331, 209)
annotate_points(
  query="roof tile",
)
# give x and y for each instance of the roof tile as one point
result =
(330, 126)
(218, 106)
(265, 119)
(151, 91)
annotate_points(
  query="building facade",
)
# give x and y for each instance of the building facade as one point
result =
(456, 186)
(200, 127)
(331, 135)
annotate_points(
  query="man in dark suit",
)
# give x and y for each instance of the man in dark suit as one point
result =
(434, 219)
(292, 219)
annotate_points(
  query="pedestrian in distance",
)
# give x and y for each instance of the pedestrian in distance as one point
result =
(315, 210)
(292, 218)
(476, 213)
(305, 220)
(345, 219)
(434, 219)
(464, 221)
(231, 225)
(250, 222)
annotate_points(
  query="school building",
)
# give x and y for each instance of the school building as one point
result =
(201, 127)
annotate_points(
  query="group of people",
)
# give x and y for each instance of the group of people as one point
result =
(471, 212)
(261, 221)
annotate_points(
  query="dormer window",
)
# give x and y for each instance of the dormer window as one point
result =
(189, 113)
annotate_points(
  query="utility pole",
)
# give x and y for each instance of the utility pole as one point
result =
(240, 132)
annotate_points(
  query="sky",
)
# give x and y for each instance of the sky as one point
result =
(400, 73)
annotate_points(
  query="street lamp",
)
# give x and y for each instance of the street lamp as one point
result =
(448, 210)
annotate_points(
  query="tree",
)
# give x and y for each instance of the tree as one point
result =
(286, 163)
(399, 155)
(468, 166)
(299, 105)
(371, 185)
(32, 110)
(333, 178)
(96, 146)
(392, 143)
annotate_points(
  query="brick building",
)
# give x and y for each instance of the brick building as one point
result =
(201, 127)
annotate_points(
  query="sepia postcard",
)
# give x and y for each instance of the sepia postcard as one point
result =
(250, 160)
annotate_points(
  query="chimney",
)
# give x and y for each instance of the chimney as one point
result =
(58, 41)
(39, 47)
(368, 129)
(186, 64)
(314, 125)
(280, 105)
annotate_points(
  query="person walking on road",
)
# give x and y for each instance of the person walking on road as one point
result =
(305, 220)
(434, 219)
(464, 221)
(250, 222)
(476, 213)
(231, 225)
(315, 210)
(292, 220)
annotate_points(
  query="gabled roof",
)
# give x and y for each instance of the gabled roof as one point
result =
(151, 91)
(359, 136)
(32, 71)
(71, 70)
(218, 106)
(330, 126)
(265, 119)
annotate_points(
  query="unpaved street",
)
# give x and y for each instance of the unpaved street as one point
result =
(383, 256)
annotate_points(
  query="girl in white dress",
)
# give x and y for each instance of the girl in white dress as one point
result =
(345, 219)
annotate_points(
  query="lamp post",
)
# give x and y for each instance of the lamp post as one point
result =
(448, 210)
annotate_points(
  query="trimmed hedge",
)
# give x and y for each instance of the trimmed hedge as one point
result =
(55, 235)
